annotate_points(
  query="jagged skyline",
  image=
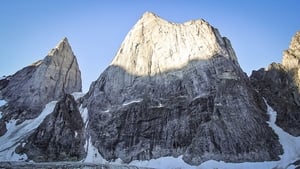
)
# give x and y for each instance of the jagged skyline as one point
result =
(259, 31)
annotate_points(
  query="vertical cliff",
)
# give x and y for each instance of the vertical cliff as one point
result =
(177, 89)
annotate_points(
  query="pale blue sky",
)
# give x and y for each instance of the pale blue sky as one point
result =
(259, 30)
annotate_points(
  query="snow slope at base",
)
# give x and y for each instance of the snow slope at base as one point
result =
(93, 155)
(291, 146)
(15, 133)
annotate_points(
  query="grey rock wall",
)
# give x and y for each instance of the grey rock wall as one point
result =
(60, 137)
(177, 89)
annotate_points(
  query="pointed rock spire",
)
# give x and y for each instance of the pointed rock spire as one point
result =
(34, 86)
(62, 45)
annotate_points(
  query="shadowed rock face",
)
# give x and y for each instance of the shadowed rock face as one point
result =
(147, 104)
(28, 90)
(60, 137)
(280, 85)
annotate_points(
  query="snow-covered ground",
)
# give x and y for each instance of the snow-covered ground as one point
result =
(93, 155)
(15, 133)
(291, 146)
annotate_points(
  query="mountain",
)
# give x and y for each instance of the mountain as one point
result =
(279, 84)
(174, 96)
(177, 89)
(31, 94)
(29, 89)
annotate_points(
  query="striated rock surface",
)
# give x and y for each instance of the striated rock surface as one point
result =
(60, 137)
(28, 90)
(32, 125)
(177, 89)
(280, 85)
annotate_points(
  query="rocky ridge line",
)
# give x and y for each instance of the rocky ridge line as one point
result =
(155, 46)
(280, 85)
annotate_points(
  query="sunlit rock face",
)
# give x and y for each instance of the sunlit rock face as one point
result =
(29, 89)
(280, 85)
(291, 56)
(155, 46)
(177, 89)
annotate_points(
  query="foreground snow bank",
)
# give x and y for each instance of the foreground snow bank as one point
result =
(16, 133)
(290, 144)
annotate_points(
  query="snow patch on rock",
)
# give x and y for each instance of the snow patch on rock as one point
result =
(131, 102)
(16, 133)
(84, 115)
(2, 103)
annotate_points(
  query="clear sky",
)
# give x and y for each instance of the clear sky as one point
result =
(259, 30)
